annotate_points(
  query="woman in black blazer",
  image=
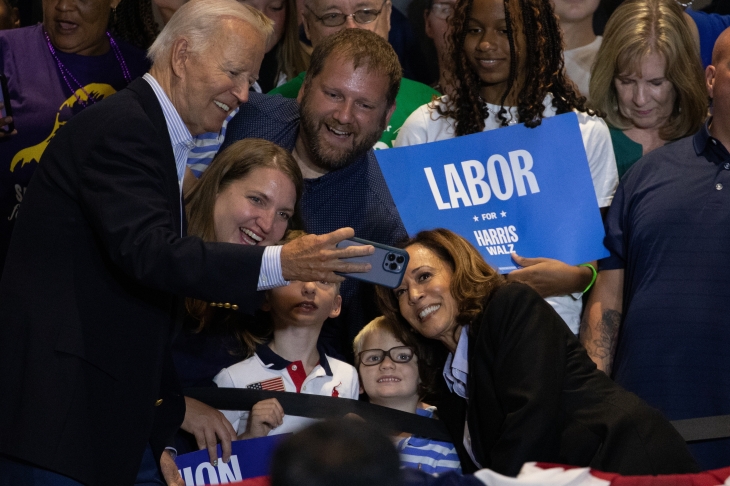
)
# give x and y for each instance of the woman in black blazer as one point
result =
(517, 385)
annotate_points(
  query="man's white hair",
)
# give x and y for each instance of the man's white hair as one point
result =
(199, 21)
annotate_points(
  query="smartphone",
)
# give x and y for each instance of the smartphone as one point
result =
(5, 100)
(388, 263)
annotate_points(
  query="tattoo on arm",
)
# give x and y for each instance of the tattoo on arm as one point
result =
(601, 341)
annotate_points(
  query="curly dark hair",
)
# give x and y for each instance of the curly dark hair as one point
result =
(544, 71)
(134, 22)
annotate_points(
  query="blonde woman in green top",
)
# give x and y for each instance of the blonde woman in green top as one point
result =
(648, 79)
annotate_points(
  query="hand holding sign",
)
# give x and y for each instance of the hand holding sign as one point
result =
(208, 425)
(550, 277)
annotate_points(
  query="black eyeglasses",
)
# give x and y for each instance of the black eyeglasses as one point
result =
(399, 354)
(335, 19)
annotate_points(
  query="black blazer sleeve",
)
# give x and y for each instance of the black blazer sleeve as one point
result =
(535, 395)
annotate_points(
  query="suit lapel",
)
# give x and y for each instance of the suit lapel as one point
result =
(151, 106)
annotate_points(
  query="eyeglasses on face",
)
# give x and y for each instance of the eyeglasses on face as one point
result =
(399, 354)
(335, 19)
(442, 10)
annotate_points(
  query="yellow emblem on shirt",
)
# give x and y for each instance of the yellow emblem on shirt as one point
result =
(95, 91)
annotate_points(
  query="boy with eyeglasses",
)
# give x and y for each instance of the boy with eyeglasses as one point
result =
(393, 376)
(291, 361)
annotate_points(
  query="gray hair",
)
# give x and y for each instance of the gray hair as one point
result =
(199, 20)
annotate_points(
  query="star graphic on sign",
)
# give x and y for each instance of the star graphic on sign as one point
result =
(476, 218)
(503, 214)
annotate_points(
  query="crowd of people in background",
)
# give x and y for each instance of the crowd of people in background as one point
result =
(178, 173)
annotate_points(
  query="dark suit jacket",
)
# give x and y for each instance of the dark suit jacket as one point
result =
(535, 395)
(90, 292)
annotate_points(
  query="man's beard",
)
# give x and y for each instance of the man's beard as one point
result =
(322, 154)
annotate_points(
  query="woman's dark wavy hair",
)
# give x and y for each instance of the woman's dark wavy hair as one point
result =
(472, 283)
(544, 69)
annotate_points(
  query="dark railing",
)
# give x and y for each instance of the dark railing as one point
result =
(316, 406)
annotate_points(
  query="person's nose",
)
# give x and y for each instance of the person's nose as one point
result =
(266, 221)
(350, 22)
(641, 96)
(414, 294)
(240, 91)
(344, 114)
(488, 41)
(309, 288)
(387, 363)
(65, 5)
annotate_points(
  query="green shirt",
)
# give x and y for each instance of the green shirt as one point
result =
(411, 95)
(626, 150)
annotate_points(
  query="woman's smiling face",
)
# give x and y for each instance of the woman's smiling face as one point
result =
(424, 297)
(255, 210)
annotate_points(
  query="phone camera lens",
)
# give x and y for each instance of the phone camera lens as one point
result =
(400, 259)
(393, 266)
(391, 257)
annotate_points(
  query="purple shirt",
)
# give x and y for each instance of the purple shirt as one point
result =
(42, 103)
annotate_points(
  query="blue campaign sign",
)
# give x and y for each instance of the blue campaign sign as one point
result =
(527, 190)
(249, 463)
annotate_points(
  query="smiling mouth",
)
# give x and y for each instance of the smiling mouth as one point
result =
(222, 106)
(389, 379)
(252, 239)
(339, 133)
(428, 311)
(489, 62)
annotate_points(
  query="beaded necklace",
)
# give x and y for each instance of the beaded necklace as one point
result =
(66, 73)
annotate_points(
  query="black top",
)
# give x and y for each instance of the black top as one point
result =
(534, 395)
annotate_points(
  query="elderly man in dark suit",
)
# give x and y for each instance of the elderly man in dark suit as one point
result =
(99, 258)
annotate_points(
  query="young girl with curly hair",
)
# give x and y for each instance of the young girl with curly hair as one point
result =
(507, 68)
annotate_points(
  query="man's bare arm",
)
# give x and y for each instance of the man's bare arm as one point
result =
(602, 318)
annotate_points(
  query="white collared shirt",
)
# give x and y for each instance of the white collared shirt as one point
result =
(456, 374)
(331, 378)
(456, 369)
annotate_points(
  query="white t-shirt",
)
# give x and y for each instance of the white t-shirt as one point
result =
(427, 125)
(269, 371)
(578, 64)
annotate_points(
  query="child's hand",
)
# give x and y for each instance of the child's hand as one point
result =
(265, 416)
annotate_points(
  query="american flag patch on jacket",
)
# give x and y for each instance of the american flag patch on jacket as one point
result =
(272, 384)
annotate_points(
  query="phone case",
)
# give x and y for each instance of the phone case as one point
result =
(388, 263)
